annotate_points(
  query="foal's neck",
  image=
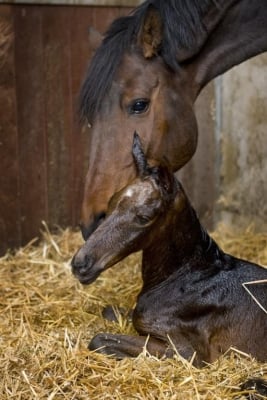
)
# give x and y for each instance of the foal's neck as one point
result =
(182, 244)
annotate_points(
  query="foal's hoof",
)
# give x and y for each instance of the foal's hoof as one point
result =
(98, 343)
(257, 384)
(108, 344)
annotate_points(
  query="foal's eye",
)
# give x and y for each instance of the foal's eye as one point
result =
(138, 106)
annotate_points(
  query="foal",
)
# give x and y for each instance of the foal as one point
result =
(192, 300)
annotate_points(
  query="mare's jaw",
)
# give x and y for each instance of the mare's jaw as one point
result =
(87, 230)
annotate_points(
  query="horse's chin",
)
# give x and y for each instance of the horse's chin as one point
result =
(87, 269)
(86, 274)
(87, 280)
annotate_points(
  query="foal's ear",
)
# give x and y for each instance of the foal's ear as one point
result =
(139, 156)
(164, 177)
(95, 38)
(150, 34)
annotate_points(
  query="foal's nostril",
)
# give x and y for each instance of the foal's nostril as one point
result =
(80, 264)
(88, 230)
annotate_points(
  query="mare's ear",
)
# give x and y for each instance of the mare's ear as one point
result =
(139, 156)
(150, 34)
(95, 38)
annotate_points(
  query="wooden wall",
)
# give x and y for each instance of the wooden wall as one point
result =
(44, 52)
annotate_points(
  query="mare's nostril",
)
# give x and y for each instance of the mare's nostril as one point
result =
(86, 231)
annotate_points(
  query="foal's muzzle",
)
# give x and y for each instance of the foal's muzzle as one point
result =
(82, 266)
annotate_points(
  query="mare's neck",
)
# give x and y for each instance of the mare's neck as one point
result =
(182, 244)
(239, 35)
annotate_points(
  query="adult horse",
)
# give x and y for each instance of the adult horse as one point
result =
(146, 76)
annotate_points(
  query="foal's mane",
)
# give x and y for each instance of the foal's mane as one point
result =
(182, 22)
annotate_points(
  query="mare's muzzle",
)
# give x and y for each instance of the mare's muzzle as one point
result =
(87, 230)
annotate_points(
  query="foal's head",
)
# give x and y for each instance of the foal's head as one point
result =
(135, 216)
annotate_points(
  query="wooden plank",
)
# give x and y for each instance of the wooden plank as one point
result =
(30, 115)
(125, 10)
(9, 204)
(103, 16)
(58, 119)
(80, 54)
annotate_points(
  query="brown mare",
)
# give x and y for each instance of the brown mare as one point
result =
(146, 76)
(192, 296)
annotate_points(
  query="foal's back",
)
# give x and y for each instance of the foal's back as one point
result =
(208, 310)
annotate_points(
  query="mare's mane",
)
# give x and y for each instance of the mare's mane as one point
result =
(182, 23)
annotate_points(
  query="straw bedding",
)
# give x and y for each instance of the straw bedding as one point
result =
(48, 318)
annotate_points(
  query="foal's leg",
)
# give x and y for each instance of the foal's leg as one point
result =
(121, 346)
(111, 314)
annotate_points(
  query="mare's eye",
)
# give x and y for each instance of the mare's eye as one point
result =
(138, 106)
(142, 219)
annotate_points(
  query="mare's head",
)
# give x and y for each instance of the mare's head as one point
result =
(134, 218)
(132, 85)
(145, 77)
